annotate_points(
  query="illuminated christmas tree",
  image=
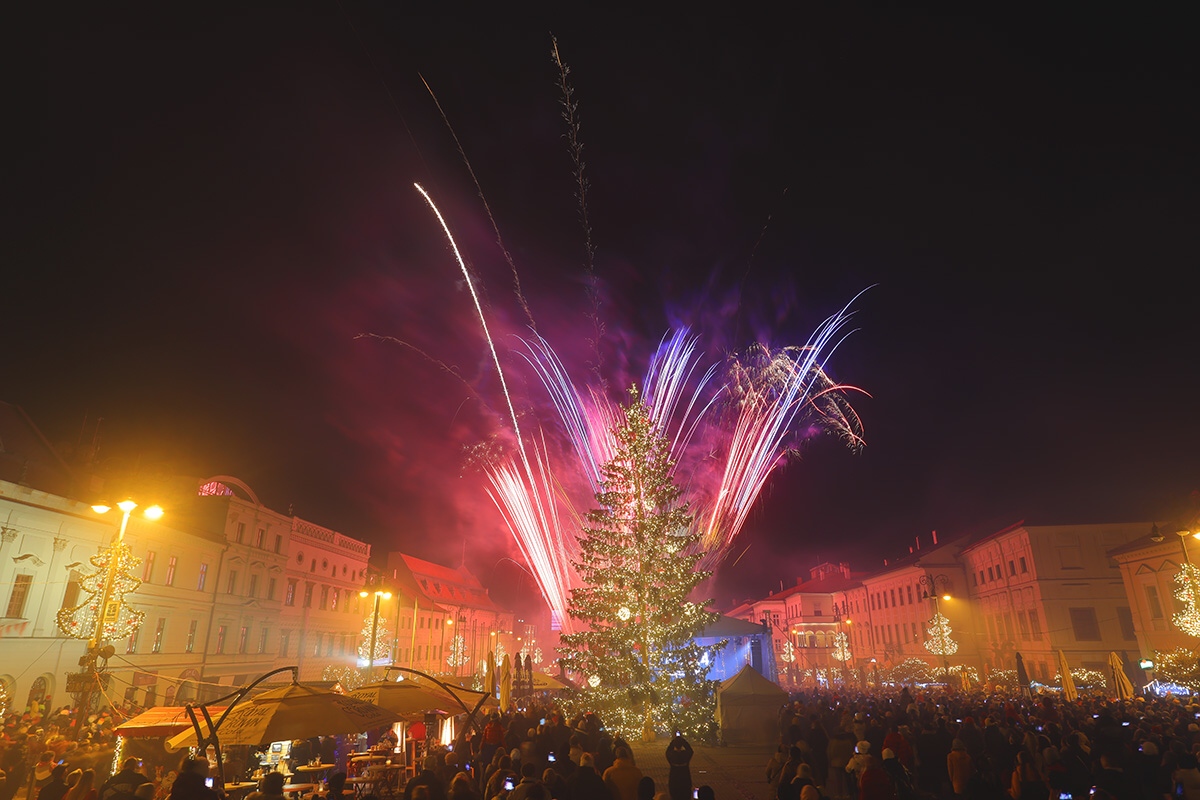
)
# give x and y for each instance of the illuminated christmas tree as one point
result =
(456, 655)
(1188, 592)
(638, 567)
(788, 654)
(937, 636)
(120, 620)
(383, 644)
(841, 647)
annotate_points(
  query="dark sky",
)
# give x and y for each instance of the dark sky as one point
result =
(209, 206)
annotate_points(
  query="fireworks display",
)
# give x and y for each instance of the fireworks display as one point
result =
(729, 426)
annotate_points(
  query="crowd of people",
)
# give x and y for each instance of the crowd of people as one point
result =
(914, 745)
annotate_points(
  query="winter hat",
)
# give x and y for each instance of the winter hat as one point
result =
(888, 753)
(863, 747)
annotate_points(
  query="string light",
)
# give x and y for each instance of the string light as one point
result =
(841, 647)
(939, 641)
(457, 654)
(79, 622)
(1187, 592)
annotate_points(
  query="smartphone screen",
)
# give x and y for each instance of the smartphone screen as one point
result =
(508, 784)
(208, 782)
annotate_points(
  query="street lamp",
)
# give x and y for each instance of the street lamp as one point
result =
(942, 641)
(379, 595)
(107, 622)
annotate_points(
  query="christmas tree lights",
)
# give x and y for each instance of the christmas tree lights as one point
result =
(841, 647)
(937, 636)
(1188, 592)
(383, 644)
(636, 626)
(456, 654)
(120, 620)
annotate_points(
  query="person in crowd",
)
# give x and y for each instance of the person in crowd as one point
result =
(645, 788)
(529, 779)
(434, 787)
(623, 776)
(960, 767)
(57, 788)
(586, 783)
(679, 779)
(122, 785)
(190, 782)
(463, 788)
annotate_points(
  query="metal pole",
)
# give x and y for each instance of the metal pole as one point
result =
(374, 630)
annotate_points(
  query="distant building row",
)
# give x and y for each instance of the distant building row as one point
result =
(230, 590)
(1089, 590)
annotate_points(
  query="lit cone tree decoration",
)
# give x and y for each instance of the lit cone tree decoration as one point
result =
(456, 655)
(637, 568)
(937, 636)
(1188, 593)
(789, 653)
(79, 622)
(383, 645)
(841, 646)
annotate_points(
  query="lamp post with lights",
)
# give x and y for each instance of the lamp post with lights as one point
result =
(106, 621)
(945, 645)
(379, 595)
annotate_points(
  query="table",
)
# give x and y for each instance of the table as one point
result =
(298, 789)
(314, 771)
(234, 789)
(384, 779)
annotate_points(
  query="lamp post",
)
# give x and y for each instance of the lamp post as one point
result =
(108, 610)
(379, 595)
(931, 582)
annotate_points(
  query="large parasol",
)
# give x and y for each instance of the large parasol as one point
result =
(409, 699)
(506, 682)
(1121, 684)
(293, 712)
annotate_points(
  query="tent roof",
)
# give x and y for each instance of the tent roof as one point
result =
(161, 721)
(749, 682)
(726, 627)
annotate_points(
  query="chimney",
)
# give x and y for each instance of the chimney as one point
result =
(918, 538)
(935, 537)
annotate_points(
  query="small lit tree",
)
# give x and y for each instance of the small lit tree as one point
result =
(456, 654)
(383, 643)
(1180, 667)
(937, 636)
(841, 647)
(120, 620)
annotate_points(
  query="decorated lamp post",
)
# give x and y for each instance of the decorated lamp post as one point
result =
(1188, 590)
(938, 639)
(371, 652)
(104, 615)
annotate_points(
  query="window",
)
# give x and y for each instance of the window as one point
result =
(910, 595)
(324, 597)
(241, 532)
(171, 562)
(914, 633)
(278, 542)
(1012, 568)
(308, 593)
(329, 646)
(270, 588)
(131, 645)
(284, 642)
(1156, 611)
(232, 586)
(333, 603)
(981, 576)
(243, 635)
(1125, 617)
(974, 580)
(317, 646)
(1023, 625)
(289, 599)
(20, 593)
(221, 639)
(262, 641)
(158, 635)
(1035, 625)
(203, 577)
(990, 575)
(260, 538)
(905, 634)
(148, 568)
(191, 638)
(252, 591)
(1083, 621)
(893, 598)
(873, 608)
(1024, 566)
(71, 595)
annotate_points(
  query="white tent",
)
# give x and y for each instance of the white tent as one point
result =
(748, 709)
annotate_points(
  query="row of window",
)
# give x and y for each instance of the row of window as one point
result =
(994, 573)
(260, 538)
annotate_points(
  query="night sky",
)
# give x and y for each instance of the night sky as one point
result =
(210, 206)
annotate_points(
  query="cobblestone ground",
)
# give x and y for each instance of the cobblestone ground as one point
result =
(734, 773)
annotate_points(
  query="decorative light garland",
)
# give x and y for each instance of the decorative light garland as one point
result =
(938, 632)
(1188, 592)
(80, 622)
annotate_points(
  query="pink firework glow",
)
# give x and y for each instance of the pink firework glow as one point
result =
(730, 426)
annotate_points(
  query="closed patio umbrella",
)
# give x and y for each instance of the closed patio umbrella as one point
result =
(1022, 676)
(506, 682)
(1121, 684)
(1068, 683)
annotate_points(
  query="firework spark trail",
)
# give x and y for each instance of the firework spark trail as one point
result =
(756, 447)
(486, 207)
(536, 527)
(672, 365)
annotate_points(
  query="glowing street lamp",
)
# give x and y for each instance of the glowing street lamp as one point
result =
(104, 616)
(379, 595)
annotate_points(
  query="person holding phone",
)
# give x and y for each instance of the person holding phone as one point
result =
(679, 757)
(189, 783)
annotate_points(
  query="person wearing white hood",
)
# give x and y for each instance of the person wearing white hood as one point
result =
(860, 761)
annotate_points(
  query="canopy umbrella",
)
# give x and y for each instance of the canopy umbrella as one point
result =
(966, 679)
(160, 721)
(490, 687)
(1068, 682)
(541, 682)
(1022, 675)
(1121, 682)
(506, 682)
(293, 712)
(408, 698)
